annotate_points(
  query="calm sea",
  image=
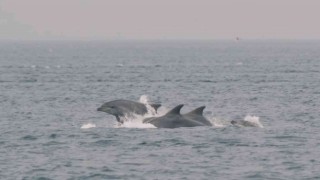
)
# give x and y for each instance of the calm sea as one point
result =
(50, 128)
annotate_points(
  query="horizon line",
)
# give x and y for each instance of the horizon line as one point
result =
(160, 39)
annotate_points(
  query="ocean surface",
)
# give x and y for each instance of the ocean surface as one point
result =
(50, 127)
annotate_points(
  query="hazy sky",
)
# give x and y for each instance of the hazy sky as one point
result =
(159, 19)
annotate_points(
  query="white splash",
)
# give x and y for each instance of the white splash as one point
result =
(144, 99)
(254, 119)
(136, 121)
(88, 125)
(217, 122)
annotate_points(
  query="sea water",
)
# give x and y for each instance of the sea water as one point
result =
(50, 127)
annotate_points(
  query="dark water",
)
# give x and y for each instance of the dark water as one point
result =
(49, 90)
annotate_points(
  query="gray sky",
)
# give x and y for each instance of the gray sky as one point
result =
(159, 19)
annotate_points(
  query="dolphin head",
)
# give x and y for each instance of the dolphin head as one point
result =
(110, 108)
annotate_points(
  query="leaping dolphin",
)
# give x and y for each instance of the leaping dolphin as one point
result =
(121, 108)
(173, 119)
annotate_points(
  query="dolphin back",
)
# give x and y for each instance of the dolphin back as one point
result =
(175, 110)
(173, 119)
(198, 111)
(123, 108)
(197, 115)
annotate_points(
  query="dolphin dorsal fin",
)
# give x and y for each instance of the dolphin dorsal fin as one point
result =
(198, 111)
(175, 110)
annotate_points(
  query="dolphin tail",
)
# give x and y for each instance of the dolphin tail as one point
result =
(155, 106)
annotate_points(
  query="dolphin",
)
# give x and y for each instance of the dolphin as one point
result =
(121, 108)
(197, 115)
(173, 119)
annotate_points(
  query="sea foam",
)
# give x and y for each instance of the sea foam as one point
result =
(254, 119)
(88, 125)
(136, 121)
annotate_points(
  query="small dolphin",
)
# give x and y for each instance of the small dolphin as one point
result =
(121, 108)
(197, 115)
(173, 119)
(243, 123)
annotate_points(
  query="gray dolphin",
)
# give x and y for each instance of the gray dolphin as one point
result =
(197, 115)
(243, 123)
(121, 108)
(173, 119)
